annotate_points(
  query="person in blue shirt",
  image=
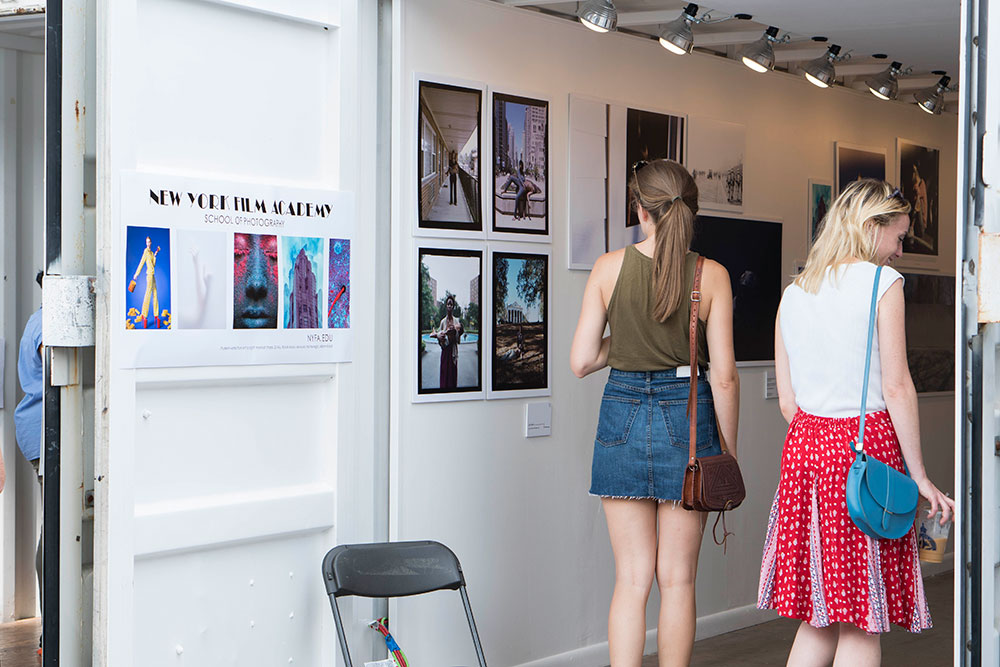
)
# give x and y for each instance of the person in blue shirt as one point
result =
(28, 414)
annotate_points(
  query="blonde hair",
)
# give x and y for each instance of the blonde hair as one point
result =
(851, 229)
(666, 191)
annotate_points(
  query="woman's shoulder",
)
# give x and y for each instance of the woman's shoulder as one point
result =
(610, 262)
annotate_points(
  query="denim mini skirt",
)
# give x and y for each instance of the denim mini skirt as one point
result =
(641, 448)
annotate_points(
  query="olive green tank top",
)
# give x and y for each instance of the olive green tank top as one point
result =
(638, 341)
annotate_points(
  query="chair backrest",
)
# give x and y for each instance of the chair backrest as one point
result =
(391, 569)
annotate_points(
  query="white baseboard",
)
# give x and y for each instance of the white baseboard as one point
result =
(596, 655)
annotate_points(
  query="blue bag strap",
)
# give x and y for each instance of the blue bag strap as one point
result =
(868, 360)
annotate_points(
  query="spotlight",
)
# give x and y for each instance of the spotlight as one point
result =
(599, 15)
(931, 99)
(759, 56)
(677, 36)
(884, 85)
(820, 72)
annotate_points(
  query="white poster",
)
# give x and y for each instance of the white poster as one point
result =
(716, 157)
(221, 273)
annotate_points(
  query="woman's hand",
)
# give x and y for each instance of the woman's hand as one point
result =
(937, 500)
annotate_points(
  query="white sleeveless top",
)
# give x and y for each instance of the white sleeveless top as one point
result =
(825, 336)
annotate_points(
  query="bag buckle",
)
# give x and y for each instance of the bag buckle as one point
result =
(696, 295)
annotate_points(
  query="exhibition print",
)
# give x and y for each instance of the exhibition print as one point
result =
(301, 282)
(520, 321)
(520, 165)
(147, 266)
(919, 171)
(201, 282)
(650, 136)
(820, 199)
(448, 155)
(255, 281)
(449, 295)
(338, 312)
(930, 331)
(751, 252)
(715, 160)
(588, 182)
(854, 162)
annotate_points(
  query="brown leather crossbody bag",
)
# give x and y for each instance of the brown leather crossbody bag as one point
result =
(711, 483)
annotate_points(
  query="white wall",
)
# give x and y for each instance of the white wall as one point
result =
(533, 544)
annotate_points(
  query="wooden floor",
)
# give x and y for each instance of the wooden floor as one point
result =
(19, 643)
(768, 643)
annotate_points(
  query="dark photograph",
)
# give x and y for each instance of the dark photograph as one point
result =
(650, 136)
(930, 331)
(449, 294)
(854, 163)
(520, 321)
(520, 165)
(448, 151)
(918, 181)
(751, 252)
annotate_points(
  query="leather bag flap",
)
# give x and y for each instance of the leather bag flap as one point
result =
(890, 488)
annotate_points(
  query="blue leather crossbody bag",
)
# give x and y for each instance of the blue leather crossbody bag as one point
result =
(881, 501)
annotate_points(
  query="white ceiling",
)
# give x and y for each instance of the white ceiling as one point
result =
(922, 34)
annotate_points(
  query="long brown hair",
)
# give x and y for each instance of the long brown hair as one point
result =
(667, 192)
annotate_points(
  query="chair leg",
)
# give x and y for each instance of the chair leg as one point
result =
(340, 631)
(472, 627)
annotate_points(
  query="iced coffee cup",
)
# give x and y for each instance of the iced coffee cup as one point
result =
(932, 537)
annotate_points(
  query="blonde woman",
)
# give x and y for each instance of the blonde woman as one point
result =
(644, 292)
(818, 567)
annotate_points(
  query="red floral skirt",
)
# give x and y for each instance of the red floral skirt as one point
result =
(818, 566)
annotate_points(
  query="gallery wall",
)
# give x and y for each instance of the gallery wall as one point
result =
(533, 544)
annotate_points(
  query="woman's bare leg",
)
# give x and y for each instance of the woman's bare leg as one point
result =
(678, 545)
(632, 528)
(813, 647)
(857, 648)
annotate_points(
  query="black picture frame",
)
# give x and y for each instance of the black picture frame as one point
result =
(503, 163)
(511, 356)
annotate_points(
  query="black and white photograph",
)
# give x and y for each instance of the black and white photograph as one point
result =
(751, 252)
(650, 136)
(520, 165)
(520, 345)
(715, 159)
(854, 162)
(448, 157)
(919, 169)
(930, 331)
(449, 321)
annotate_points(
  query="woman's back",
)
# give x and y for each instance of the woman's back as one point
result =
(826, 334)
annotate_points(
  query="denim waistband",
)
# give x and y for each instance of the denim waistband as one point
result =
(652, 376)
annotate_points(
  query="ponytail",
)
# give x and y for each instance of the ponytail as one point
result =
(670, 196)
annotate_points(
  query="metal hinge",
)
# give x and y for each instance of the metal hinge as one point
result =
(68, 309)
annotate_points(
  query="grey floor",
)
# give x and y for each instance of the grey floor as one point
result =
(768, 643)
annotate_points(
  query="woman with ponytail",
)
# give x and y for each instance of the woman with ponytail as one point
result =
(644, 293)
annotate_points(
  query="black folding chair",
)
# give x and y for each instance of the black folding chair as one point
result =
(393, 569)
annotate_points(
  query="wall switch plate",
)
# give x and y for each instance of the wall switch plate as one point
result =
(381, 663)
(770, 384)
(537, 419)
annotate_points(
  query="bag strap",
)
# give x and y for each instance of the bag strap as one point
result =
(859, 445)
(692, 407)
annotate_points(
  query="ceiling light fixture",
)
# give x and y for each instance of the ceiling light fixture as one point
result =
(931, 99)
(677, 37)
(885, 84)
(759, 56)
(821, 72)
(599, 15)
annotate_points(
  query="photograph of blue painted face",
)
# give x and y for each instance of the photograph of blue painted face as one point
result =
(147, 270)
(301, 281)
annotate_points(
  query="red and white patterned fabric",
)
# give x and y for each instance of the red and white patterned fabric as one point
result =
(818, 566)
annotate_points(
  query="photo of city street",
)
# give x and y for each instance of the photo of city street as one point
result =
(520, 165)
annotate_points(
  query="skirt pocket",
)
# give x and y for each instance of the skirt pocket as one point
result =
(678, 426)
(615, 421)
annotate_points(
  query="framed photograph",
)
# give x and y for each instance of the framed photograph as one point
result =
(520, 165)
(820, 199)
(650, 136)
(449, 323)
(853, 162)
(715, 160)
(918, 169)
(930, 331)
(449, 146)
(751, 252)
(520, 341)
(588, 181)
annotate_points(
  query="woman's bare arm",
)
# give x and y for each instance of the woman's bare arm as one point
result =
(724, 379)
(589, 351)
(782, 374)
